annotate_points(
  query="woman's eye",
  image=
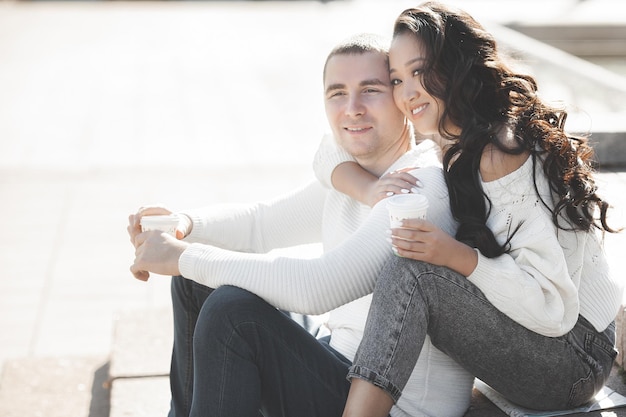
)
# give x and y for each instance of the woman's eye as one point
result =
(417, 72)
(395, 82)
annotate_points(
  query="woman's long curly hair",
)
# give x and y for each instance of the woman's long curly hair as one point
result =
(481, 96)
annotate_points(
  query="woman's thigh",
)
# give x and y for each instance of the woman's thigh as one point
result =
(526, 367)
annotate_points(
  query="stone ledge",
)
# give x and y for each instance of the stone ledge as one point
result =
(142, 344)
(54, 387)
(620, 337)
(579, 39)
(140, 365)
(140, 397)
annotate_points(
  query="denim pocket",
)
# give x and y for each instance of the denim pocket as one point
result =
(602, 351)
(599, 354)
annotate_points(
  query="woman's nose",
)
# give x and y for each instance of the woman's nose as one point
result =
(411, 91)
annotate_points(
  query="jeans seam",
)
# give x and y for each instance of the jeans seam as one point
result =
(189, 371)
(389, 386)
(284, 346)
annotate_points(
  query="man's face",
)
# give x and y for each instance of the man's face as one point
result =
(359, 105)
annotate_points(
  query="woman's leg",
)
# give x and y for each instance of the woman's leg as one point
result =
(187, 300)
(249, 356)
(413, 299)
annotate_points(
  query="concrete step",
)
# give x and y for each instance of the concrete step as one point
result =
(54, 387)
(140, 362)
(134, 380)
(595, 96)
(582, 40)
(139, 365)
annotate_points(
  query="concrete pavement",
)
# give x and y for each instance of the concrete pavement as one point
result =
(108, 106)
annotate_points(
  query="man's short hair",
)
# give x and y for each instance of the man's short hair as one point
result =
(360, 44)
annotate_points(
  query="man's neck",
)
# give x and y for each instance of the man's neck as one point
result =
(378, 164)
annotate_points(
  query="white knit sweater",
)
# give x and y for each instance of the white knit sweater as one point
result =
(231, 245)
(550, 275)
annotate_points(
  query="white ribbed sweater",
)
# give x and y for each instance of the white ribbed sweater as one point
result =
(230, 249)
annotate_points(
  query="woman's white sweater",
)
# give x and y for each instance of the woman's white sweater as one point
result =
(550, 275)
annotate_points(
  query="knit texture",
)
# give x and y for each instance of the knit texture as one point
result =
(230, 245)
(550, 275)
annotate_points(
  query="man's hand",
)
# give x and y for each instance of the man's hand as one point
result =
(134, 221)
(156, 252)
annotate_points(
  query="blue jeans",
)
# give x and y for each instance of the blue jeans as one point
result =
(236, 355)
(413, 299)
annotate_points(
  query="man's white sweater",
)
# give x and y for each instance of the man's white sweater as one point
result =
(231, 247)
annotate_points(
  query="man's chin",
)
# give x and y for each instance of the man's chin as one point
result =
(356, 148)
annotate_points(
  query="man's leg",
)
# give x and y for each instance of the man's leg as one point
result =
(187, 300)
(249, 356)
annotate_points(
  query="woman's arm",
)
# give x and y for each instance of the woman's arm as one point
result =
(532, 283)
(335, 168)
(351, 179)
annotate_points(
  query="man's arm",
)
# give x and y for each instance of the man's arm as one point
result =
(320, 284)
(288, 220)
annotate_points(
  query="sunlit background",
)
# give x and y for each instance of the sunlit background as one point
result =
(106, 106)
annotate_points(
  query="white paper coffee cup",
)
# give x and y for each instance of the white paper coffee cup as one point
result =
(164, 223)
(406, 206)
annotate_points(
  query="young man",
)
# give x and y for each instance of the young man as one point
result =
(234, 352)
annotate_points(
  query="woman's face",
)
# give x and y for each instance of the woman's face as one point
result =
(407, 59)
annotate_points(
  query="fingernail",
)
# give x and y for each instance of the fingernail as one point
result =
(390, 193)
(405, 191)
(415, 190)
(388, 239)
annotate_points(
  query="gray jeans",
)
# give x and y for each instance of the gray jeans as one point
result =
(413, 299)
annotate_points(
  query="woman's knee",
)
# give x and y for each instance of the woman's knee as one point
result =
(402, 274)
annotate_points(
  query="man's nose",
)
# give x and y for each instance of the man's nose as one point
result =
(354, 107)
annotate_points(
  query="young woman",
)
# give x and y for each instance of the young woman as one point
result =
(522, 296)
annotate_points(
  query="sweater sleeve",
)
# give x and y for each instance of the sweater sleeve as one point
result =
(315, 285)
(531, 283)
(291, 219)
(329, 154)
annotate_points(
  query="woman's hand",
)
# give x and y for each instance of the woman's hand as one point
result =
(156, 252)
(421, 240)
(396, 182)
